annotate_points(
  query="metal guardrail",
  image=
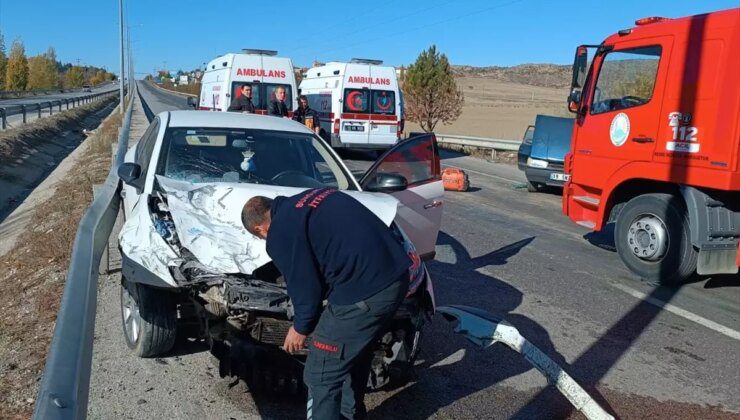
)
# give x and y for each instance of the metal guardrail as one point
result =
(482, 142)
(4, 94)
(65, 385)
(24, 109)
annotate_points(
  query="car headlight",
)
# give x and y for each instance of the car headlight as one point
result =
(536, 163)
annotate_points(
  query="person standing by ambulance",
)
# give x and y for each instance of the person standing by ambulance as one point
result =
(329, 246)
(307, 116)
(278, 107)
(243, 103)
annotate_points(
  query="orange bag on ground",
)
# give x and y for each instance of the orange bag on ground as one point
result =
(455, 179)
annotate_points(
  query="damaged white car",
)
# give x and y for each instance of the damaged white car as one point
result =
(187, 260)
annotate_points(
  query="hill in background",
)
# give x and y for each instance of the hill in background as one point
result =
(544, 75)
(500, 102)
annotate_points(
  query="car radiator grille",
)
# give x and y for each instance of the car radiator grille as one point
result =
(270, 330)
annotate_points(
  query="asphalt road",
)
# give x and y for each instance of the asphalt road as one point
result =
(55, 96)
(642, 351)
(16, 120)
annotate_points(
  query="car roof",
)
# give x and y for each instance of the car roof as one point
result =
(233, 120)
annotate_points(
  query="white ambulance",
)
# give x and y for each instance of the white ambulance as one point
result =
(359, 103)
(262, 69)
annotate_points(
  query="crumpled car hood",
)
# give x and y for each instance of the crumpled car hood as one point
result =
(207, 218)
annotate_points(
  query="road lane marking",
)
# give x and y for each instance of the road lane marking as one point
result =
(680, 312)
(483, 173)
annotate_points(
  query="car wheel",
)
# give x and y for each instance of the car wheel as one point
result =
(653, 238)
(149, 317)
(533, 186)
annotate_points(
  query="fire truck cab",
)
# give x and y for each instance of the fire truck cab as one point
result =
(656, 144)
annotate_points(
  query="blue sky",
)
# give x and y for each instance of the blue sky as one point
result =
(186, 33)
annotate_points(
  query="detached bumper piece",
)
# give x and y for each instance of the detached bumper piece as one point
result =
(484, 329)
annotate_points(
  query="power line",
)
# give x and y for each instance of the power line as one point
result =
(323, 31)
(396, 34)
(396, 19)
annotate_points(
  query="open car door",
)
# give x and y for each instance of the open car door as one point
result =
(410, 172)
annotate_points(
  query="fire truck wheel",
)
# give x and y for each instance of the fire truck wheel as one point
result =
(653, 238)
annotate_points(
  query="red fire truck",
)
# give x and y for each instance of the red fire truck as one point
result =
(656, 144)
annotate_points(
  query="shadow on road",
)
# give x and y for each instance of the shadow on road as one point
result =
(450, 369)
(603, 239)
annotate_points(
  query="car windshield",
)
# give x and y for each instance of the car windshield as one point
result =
(253, 156)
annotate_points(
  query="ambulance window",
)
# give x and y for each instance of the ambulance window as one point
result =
(236, 92)
(270, 94)
(626, 79)
(384, 102)
(356, 100)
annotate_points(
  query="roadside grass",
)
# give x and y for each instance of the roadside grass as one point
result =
(191, 89)
(14, 140)
(33, 273)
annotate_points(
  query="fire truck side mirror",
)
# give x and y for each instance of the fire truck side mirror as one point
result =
(580, 67)
(574, 99)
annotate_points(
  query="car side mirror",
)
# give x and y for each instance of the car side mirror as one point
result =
(387, 183)
(192, 102)
(574, 99)
(130, 173)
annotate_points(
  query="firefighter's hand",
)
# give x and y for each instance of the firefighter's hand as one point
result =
(294, 341)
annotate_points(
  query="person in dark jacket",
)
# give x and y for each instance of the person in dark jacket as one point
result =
(243, 103)
(278, 108)
(307, 116)
(329, 246)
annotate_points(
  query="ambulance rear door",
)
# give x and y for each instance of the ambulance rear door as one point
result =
(384, 106)
(276, 72)
(247, 70)
(354, 125)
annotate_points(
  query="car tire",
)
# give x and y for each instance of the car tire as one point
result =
(149, 319)
(641, 224)
(533, 186)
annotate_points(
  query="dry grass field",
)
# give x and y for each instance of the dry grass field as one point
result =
(502, 109)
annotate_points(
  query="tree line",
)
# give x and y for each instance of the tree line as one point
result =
(43, 71)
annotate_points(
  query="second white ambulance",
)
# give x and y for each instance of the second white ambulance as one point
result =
(359, 103)
(262, 69)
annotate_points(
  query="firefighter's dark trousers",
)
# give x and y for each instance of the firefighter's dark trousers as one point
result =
(341, 351)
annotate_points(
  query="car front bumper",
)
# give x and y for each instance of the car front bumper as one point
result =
(544, 176)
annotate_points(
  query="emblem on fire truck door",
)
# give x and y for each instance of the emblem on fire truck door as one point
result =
(619, 130)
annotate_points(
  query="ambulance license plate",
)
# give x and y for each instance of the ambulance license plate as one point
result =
(559, 177)
(352, 127)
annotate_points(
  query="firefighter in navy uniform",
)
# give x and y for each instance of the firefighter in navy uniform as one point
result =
(329, 246)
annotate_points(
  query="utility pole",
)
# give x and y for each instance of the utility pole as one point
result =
(120, 19)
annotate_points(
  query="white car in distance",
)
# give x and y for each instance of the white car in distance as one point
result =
(187, 260)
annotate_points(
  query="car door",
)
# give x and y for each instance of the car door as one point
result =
(420, 211)
(142, 156)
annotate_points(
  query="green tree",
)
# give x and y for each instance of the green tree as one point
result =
(74, 77)
(430, 91)
(42, 71)
(3, 62)
(16, 73)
